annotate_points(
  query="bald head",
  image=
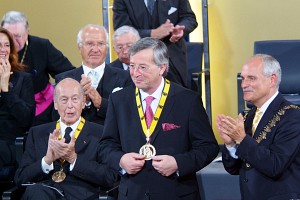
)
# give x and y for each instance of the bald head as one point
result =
(69, 100)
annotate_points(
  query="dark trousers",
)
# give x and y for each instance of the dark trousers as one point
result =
(39, 191)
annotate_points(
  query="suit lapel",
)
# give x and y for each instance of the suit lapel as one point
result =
(77, 73)
(135, 117)
(107, 83)
(82, 141)
(249, 121)
(163, 8)
(139, 14)
(165, 112)
(269, 114)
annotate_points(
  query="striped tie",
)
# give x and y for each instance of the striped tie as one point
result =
(256, 119)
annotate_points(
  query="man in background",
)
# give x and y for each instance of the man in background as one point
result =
(41, 58)
(97, 79)
(123, 38)
(169, 21)
(263, 147)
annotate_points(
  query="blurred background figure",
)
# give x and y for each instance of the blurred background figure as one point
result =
(96, 77)
(123, 38)
(169, 21)
(17, 104)
(41, 59)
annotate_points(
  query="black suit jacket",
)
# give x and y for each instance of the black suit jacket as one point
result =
(134, 13)
(42, 59)
(17, 106)
(88, 173)
(272, 169)
(112, 78)
(192, 144)
(117, 64)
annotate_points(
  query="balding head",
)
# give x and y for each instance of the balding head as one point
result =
(69, 100)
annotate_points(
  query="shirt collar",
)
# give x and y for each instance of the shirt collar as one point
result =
(63, 127)
(267, 103)
(156, 94)
(99, 69)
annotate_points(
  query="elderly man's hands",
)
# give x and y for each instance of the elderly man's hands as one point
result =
(231, 130)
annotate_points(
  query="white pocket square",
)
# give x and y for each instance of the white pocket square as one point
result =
(117, 89)
(172, 9)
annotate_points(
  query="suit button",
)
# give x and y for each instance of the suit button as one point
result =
(245, 180)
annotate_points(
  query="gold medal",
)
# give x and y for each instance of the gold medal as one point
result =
(58, 176)
(148, 151)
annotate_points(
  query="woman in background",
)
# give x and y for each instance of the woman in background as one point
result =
(17, 105)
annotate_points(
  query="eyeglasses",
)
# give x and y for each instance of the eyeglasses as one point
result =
(4, 46)
(93, 44)
(142, 68)
(120, 47)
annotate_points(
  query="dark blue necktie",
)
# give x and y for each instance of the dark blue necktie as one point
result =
(67, 134)
(150, 5)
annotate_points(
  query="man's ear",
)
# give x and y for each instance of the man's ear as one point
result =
(55, 105)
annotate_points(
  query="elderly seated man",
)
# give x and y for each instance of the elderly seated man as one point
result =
(61, 157)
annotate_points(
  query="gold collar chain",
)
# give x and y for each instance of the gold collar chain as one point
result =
(162, 101)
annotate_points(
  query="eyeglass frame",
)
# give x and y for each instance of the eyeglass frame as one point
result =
(91, 45)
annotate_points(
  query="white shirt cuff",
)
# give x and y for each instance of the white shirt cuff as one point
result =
(232, 151)
(72, 165)
(45, 167)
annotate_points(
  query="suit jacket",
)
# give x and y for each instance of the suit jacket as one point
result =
(192, 144)
(179, 12)
(17, 106)
(269, 169)
(88, 173)
(42, 59)
(117, 64)
(112, 78)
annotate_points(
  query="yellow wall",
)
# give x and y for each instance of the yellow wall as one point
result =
(233, 27)
(58, 20)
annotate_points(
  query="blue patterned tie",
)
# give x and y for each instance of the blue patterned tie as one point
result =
(150, 5)
(94, 76)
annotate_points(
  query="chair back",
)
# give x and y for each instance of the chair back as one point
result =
(287, 52)
(194, 62)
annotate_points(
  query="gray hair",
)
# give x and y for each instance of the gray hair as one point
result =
(13, 17)
(95, 26)
(125, 30)
(270, 66)
(160, 51)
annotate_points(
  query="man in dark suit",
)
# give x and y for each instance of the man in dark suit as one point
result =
(123, 38)
(61, 159)
(41, 59)
(169, 21)
(158, 153)
(263, 147)
(97, 79)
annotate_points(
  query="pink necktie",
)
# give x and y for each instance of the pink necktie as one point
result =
(148, 112)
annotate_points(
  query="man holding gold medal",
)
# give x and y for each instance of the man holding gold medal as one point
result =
(53, 167)
(156, 133)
